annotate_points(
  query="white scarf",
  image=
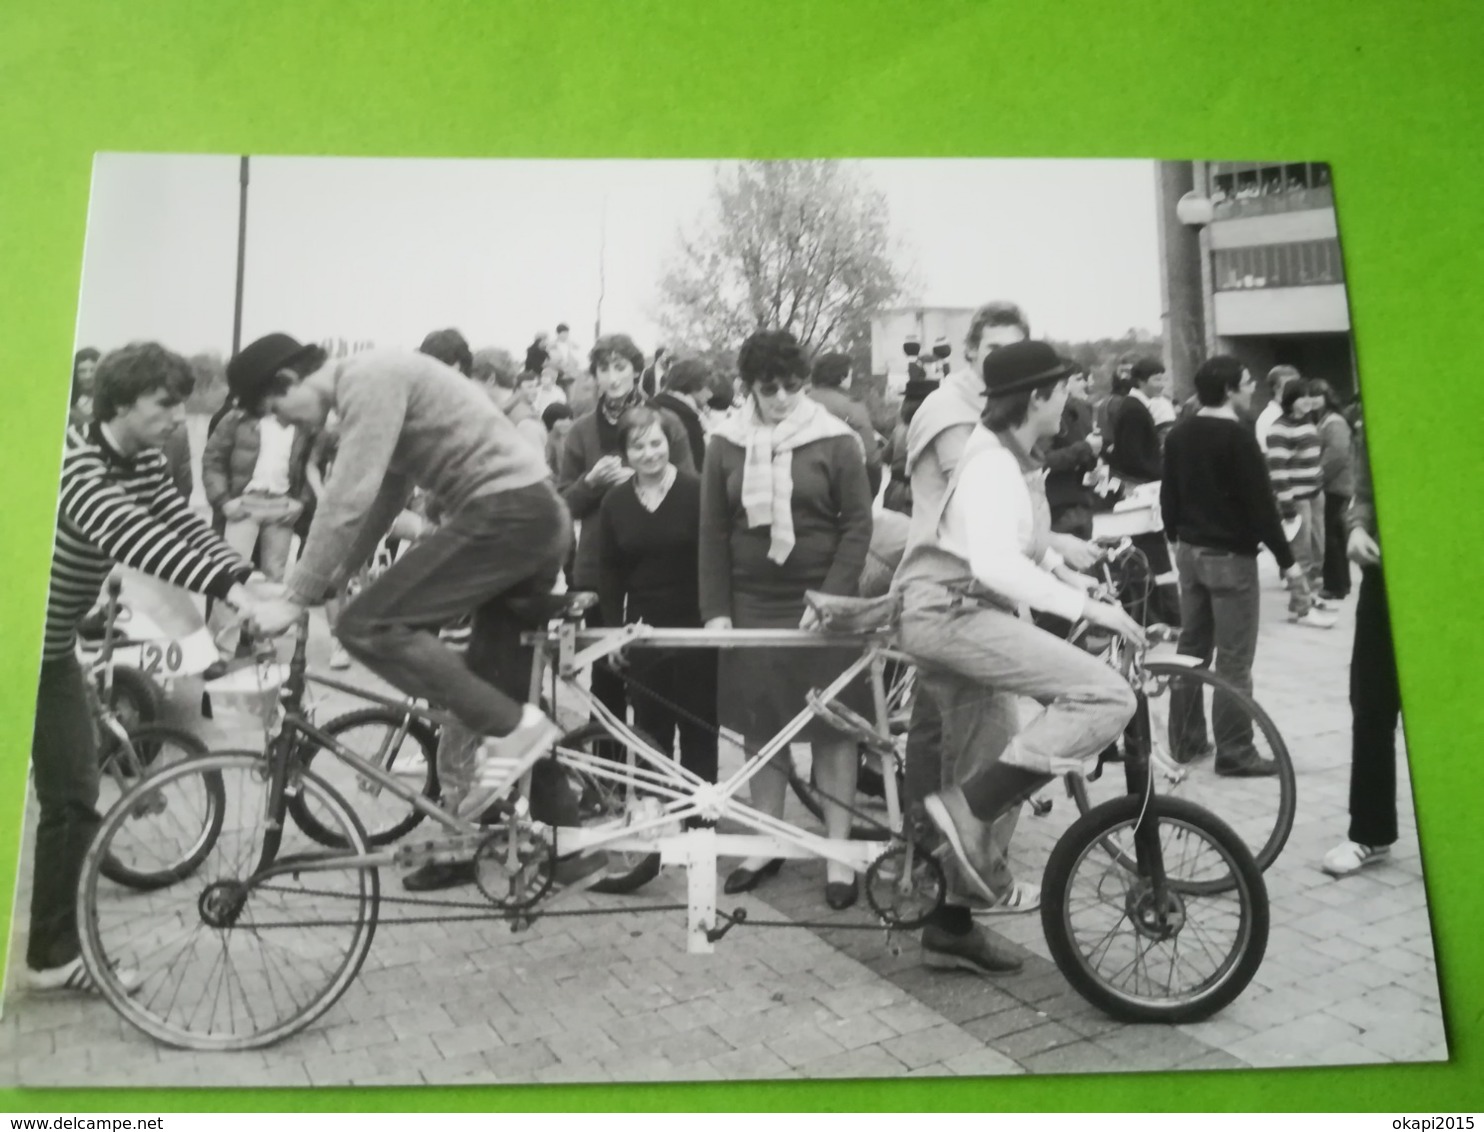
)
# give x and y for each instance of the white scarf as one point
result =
(767, 469)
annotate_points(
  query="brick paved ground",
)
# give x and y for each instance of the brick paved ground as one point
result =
(1349, 975)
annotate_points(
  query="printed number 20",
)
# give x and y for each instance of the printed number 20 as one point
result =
(153, 656)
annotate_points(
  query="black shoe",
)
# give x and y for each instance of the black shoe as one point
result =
(840, 895)
(972, 951)
(436, 875)
(745, 880)
(1255, 767)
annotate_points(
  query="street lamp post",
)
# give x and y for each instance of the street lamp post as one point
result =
(242, 178)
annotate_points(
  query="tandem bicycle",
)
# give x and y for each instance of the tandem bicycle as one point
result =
(1153, 908)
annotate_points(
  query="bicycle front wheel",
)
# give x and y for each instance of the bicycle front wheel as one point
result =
(224, 960)
(1204, 739)
(406, 749)
(140, 858)
(1147, 950)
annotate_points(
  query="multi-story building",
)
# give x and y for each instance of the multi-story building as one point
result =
(1272, 281)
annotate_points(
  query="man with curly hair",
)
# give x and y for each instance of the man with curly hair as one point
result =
(117, 504)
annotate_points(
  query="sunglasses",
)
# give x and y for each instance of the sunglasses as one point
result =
(787, 385)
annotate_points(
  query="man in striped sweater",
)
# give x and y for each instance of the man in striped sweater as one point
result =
(118, 504)
(1295, 467)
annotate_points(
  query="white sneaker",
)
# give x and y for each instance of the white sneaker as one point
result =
(1023, 897)
(74, 976)
(1313, 619)
(339, 658)
(1350, 857)
(503, 760)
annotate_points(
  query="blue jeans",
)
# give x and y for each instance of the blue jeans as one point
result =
(1219, 604)
(972, 726)
(1087, 703)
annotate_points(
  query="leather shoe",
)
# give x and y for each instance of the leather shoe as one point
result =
(436, 875)
(840, 895)
(1255, 767)
(973, 951)
(745, 880)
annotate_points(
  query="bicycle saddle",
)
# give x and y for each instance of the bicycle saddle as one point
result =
(570, 606)
(854, 614)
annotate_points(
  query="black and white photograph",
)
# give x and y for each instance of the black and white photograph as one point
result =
(530, 621)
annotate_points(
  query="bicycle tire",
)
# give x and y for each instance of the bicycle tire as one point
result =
(135, 698)
(1261, 810)
(1087, 840)
(150, 744)
(602, 802)
(182, 985)
(396, 818)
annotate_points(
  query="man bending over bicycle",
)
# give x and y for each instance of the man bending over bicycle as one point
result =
(406, 421)
(973, 566)
(117, 504)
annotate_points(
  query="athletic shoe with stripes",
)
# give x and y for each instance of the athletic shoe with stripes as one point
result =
(74, 976)
(503, 760)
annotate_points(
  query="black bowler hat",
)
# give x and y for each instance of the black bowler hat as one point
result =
(1021, 366)
(256, 364)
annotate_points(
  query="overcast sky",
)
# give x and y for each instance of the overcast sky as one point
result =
(387, 250)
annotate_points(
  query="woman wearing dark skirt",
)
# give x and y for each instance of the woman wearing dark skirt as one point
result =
(785, 508)
(649, 531)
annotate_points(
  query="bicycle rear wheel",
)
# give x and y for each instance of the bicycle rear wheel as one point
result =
(605, 802)
(406, 749)
(1142, 951)
(228, 962)
(1187, 757)
(139, 858)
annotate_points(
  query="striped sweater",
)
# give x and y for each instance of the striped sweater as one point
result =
(116, 509)
(1295, 460)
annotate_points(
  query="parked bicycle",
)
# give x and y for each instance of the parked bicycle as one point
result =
(128, 751)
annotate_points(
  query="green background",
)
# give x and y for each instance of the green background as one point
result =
(1387, 92)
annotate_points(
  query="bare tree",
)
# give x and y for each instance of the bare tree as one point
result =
(795, 245)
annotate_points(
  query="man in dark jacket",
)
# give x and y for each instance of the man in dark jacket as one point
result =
(1135, 456)
(1071, 454)
(830, 381)
(687, 386)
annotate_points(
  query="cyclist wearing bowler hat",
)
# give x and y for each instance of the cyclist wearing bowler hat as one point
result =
(408, 421)
(972, 567)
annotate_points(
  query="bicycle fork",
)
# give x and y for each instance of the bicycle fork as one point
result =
(1138, 742)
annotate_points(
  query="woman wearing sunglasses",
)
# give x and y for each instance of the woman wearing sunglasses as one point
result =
(785, 508)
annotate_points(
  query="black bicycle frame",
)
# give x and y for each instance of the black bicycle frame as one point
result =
(1138, 742)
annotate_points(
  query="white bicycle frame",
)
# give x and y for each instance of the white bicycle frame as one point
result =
(648, 827)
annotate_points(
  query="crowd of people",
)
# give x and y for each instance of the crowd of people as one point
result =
(471, 484)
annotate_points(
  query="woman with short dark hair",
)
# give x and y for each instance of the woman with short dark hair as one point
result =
(592, 465)
(648, 531)
(785, 508)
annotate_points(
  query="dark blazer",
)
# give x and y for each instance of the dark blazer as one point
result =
(690, 420)
(1135, 454)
